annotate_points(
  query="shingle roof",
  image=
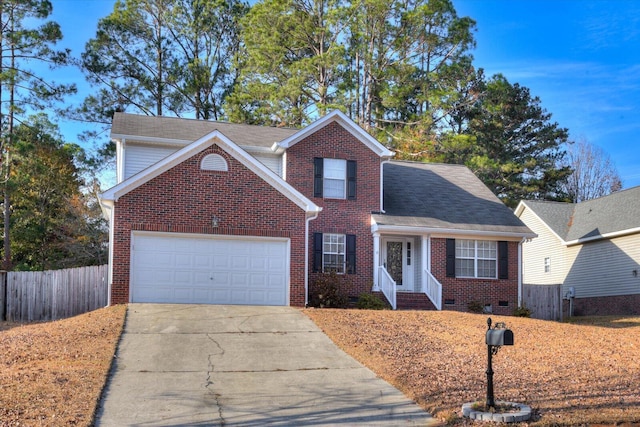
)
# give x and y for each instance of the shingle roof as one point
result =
(617, 212)
(443, 196)
(188, 130)
(557, 215)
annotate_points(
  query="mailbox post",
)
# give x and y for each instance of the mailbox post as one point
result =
(495, 338)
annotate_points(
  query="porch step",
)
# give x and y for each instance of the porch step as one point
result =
(413, 301)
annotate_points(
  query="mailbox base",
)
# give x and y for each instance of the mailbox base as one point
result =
(522, 414)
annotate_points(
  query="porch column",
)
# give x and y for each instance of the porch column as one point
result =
(376, 260)
(426, 264)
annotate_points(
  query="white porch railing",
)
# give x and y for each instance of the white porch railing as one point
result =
(433, 289)
(387, 285)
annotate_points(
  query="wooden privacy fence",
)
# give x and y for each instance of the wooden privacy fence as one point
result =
(55, 294)
(544, 301)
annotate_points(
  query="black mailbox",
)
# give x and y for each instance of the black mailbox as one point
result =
(499, 337)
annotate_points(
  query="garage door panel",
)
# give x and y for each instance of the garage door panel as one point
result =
(206, 269)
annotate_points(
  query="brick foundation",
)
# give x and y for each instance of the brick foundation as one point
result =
(622, 305)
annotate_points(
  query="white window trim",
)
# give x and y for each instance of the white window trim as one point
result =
(341, 269)
(342, 177)
(547, 264)
(476, 258)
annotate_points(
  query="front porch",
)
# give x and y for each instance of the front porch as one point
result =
(402, 272)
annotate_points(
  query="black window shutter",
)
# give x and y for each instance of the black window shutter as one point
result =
(351, 179)
(317, 252)
(318, 164)
(503, 260)
(451, 257)
(351, 254)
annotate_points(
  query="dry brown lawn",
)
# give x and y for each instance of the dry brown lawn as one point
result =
(586, 373)
(572, 374)
(52, 374)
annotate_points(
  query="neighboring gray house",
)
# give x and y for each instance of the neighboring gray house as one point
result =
(591, 249)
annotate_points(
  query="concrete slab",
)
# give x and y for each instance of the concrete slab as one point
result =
(242, 366)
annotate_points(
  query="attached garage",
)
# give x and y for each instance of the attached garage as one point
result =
(209, 269)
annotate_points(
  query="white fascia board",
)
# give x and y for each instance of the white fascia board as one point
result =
(444, 232)
(150, 139)
(215, 137)
(520, 209)
(604, 236)
(346, 123)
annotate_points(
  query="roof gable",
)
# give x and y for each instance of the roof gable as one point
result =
(217, 138)
(340, 118)
(556, 216)
(596, 219)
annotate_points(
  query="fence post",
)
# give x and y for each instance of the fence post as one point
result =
(3, 295)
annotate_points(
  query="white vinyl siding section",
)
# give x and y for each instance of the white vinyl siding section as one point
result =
(272, 162)
(140, 157)
(604, 268)
(546, 245)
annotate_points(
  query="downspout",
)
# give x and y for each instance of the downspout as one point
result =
(107, 211)
(520, 261)
(313, 216)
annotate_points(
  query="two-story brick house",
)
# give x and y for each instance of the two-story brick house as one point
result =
(212, 212)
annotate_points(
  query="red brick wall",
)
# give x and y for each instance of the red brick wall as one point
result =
(485, 291)
(340, 216)
(184, 199)
(621, 305)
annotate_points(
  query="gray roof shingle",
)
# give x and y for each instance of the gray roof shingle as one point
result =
(189, 130)
(617, 212)
(443, 196)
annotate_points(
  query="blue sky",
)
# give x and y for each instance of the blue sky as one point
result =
(581, 57)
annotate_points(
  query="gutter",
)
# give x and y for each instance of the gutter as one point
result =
(520, 261)
(310, 217)
(108, 207)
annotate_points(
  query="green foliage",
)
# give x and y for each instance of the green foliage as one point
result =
(519, 149)
(367, 301)
(53, 224)
(160, 57)
(475, 306)
(522, 311)
(329, 290)
(24, 42)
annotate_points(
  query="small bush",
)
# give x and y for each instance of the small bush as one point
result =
(328, 291)
(522, 311)
(368, 301)
(475, 306)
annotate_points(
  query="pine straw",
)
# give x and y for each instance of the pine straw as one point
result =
(53, 373)
(571, 374)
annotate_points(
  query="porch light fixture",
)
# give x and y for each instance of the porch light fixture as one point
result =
(214, 221)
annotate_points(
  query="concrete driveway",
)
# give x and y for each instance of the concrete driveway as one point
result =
(207, 365)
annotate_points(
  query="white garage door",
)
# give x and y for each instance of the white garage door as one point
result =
(194, 269)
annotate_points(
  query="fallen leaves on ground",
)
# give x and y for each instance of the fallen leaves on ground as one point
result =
(53, 373)
(571, 374)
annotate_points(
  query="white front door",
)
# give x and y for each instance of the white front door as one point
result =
(397, 258)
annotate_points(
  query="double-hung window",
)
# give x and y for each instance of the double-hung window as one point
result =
(334, 178)
(333, 252)
(476, 258)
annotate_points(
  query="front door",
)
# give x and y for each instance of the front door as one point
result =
(396, 259)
